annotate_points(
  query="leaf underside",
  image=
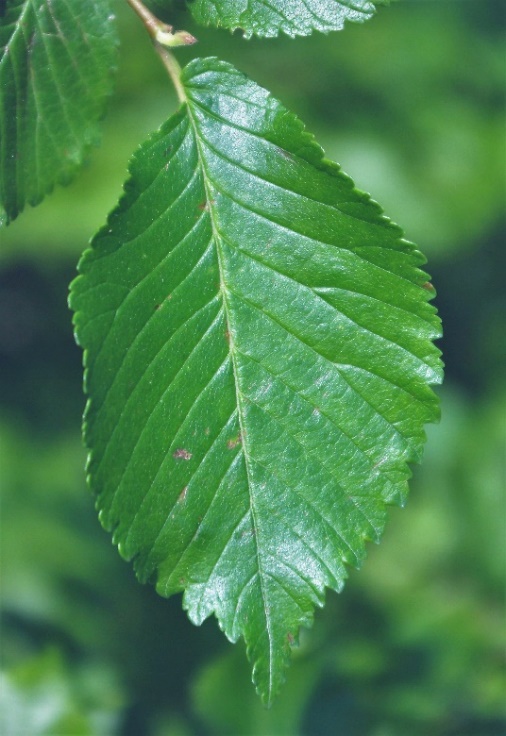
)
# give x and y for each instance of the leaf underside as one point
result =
(258, 351)
(267, 18)
(56, 63)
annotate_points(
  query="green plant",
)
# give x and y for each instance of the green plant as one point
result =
(257, 335)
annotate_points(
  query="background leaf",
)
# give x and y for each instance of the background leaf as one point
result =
(293, 17)
(258, 349)
(56, 63)
(43, 698)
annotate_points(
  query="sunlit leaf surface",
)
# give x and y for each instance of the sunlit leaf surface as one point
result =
(270, 17)
(258, 349)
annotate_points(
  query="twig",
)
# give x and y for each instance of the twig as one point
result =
(163, 37)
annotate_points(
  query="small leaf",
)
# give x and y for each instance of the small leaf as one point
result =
(258, 351)
(293, 17)
(56, 63)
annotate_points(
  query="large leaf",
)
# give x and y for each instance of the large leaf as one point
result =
(293, 17)
(258, 354)
(56, 60)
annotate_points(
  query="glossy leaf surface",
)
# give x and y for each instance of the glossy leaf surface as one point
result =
(258, 357)
(293, 17)
(56, 60)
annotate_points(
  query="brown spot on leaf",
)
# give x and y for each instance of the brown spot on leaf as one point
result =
(181, 454)
(182, 495)
(204, 206)
(290, 638)
(232, 444)
(286, 154)
(428, 286)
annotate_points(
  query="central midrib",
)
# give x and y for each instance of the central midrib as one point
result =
(240, 409)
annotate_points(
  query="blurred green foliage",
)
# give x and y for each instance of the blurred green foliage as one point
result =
(412, 105)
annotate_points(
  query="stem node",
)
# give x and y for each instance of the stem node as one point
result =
(164, 38)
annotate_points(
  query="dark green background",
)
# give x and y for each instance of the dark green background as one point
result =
(412, 105)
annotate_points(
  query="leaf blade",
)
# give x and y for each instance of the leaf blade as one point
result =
(292, 17)
(56, 61)
(260, 375)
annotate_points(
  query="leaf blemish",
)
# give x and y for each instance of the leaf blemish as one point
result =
(182, 495)
(181, 454)
(204, 206)
(232, 444)
(286, 154)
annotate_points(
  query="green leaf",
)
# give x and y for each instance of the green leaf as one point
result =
(293, 17)
(44, 696)
(56, 63)
(258, 352)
